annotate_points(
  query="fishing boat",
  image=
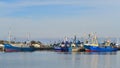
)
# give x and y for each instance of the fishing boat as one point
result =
(11, 48)
(67, 46)
(17, 47)
(74, 48)
(95, 47)
(63, 46)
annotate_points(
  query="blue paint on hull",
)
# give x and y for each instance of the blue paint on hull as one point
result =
(63, 49)
(100, 49)
(10, 48)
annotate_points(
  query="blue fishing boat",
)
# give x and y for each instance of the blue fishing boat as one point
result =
(62, 47)
(67, 46)
(11, 48)
(92, 48)
(95, 47)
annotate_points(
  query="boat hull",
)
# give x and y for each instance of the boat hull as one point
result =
(99, 49)
(62, 49)
(68, 49)
(10, 48)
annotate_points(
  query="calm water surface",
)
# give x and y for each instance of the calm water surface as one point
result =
(49, 59)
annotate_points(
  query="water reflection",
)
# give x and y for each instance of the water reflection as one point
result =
(92, 59)
(101, 53)
(89, 53)
(60, 60)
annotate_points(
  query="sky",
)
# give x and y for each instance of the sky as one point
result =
(59, 18)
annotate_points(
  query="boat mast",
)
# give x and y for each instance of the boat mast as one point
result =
(65, 39)
(95, 39)
(28, 36)
(9, 36)
(74, 40)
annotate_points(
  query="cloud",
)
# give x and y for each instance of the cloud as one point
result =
(26, 3)
(9, 7)
(19, 5)
(31, 3)
(105, 12)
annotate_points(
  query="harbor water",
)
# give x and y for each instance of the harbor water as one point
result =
(51, 59)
